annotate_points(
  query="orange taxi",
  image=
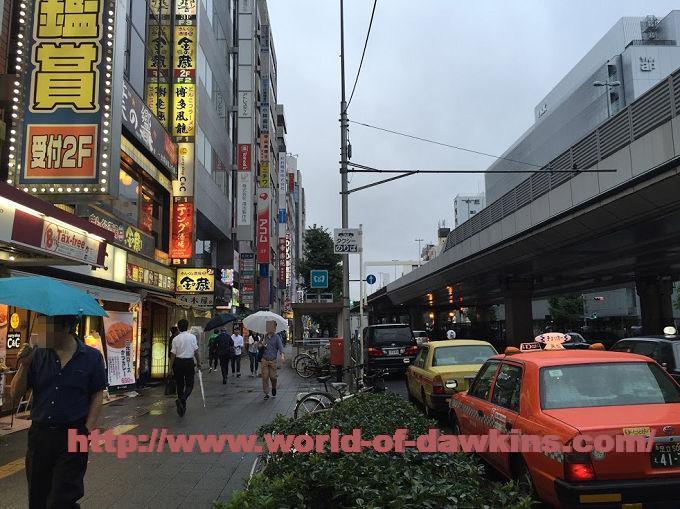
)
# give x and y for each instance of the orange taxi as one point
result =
(566, 393)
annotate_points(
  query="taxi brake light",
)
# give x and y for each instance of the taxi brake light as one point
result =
(411, 350)
(578, 468)
(596, 346)
(438, 385)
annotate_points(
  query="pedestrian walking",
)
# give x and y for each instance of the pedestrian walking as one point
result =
(238, 350)
(253, 347)
(212, 352)
(182, 354)
(225, 349)
(68, 379)
(272, 346)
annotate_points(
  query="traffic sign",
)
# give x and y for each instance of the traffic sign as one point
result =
(318, 279)
(371, 279)
(346, 240)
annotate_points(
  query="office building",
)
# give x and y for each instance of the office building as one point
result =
(466, 206)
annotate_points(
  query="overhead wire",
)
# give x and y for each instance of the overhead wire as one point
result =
(363, 54)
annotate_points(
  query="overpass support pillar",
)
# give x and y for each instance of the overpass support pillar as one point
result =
(517, 295)
(417, 320)
(656, 304)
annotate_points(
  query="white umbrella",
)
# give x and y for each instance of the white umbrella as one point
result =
(200, 383)
(258, 322)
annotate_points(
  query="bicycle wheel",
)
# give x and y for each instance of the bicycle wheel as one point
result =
(306, 367)
(312, 403)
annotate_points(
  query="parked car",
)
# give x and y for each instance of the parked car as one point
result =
(390, 347)
(421, 337)
(567, 393)
(663, 349)
(442, 368)
(576, 342)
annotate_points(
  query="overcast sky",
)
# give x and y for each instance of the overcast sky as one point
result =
(466, 72)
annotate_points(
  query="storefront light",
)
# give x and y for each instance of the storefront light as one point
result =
(85, 190)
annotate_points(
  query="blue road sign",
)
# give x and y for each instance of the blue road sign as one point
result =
(371, 279)
(318, 278)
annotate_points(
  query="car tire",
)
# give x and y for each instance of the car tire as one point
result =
(522, 476)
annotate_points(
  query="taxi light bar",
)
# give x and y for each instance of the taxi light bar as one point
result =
(578, 468)
(596, 346)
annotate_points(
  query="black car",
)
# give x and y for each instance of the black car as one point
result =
(389, 347)
(576, 342)
(663, 349)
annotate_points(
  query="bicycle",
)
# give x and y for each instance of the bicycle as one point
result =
(319, 401)
(304, 363)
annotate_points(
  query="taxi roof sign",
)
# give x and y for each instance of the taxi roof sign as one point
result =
(530, 347)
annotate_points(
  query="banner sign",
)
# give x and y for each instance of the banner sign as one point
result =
(184, 184)
(289, 261)
(283, 176)
(66, 97)
(159, 60)
(120, 338)
(198, 301)
(282, 261)
(247, 279)
(125, 234)
(263, 228)
(195, 280)
(140, 121)
(138, 272)
(264, 175)
(181, 239)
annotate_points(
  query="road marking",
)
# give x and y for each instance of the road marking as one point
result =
(11, 468)
(119, 430)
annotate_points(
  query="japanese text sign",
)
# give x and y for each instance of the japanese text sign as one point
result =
(195, 280)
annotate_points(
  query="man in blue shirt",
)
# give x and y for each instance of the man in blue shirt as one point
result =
(68, 380)
(273, 345)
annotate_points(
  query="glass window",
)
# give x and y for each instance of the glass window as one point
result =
(385, 336)
(507, 388)
(623, 346)
(128, 203)
(472, 354)
(421, 358)
(200, 144)
(208, 157)
(137, 62)
(647, 348)
(200, 64)
(481, 386)
(208, 79)
(138, 15)
(599, 385)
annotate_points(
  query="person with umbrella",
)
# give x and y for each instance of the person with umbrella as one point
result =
(273, 346)
(68, 379)
(182, 354)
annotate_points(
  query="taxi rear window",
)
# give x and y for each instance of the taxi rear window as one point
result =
(470, 354)
(610, 384)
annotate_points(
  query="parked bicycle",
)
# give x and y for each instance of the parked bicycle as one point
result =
(319, 401)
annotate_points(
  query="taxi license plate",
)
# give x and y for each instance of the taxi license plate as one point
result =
(666, 455)
(391, 351)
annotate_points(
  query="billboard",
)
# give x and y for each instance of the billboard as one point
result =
(199, 280)
(263, 228)
(182, 231)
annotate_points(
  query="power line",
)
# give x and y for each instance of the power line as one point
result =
(363, 53)
(446, 144)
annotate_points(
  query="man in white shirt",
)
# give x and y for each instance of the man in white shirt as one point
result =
(238, 350)
(182, 354)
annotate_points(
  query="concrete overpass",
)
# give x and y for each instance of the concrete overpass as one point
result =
(562, 232)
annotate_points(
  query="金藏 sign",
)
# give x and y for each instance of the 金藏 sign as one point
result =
(195, 280)
(67, 99)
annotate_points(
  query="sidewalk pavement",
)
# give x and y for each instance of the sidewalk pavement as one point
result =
(167, 480)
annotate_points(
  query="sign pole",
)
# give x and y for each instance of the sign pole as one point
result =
(360, 357)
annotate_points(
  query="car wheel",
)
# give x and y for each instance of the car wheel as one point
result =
(428, 411)
(455, 427)
(525, 484)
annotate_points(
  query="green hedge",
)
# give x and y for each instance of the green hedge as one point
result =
(371, 480)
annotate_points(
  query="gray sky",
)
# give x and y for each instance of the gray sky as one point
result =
(462, 72)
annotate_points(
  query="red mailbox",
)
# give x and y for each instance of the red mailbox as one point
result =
(337, 352)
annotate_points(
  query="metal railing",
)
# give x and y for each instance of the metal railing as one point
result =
(655, 107)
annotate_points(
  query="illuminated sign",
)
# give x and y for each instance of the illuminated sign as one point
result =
(234, 298)
(185, 51)
(198, 301)
(289, 260)
(195, 280)
(184, 185)
(264, 175)
(282, 261)
(159, 60)
(244, 158)
(185, 109)
(67, 99)
(264, 147)
(185, 8)
(181, 242)
(263, 231)
(158, 278)
(227, 276)
(125, 234)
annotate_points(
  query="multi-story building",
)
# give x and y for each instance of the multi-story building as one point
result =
(467, 205)
(634, 55)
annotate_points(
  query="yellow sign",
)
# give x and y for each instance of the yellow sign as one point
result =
(642, 430)
(14, 321)
(159, 58)
(264, 175)
(158, 101)
(185, 50)
(195, 280)
(185, 109)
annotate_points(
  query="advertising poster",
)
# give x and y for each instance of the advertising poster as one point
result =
(4, 324)
(119, 337)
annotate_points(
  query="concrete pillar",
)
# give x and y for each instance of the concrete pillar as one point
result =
(656, 304)
(518, 318)
(417, 320)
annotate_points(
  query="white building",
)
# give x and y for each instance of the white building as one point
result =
(467, 205)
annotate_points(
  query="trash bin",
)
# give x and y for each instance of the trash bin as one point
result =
(337, 353)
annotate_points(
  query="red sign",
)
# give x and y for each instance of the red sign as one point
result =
(291, 182)
(263, 231)
(181, 233)
(282, 261)
(244, 157)
(61, 152)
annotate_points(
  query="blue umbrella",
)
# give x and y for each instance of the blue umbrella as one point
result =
(47, 296)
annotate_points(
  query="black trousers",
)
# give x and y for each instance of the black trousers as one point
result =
(184, 377)
(212, 360)
(236, 364)
(55, 476)
(224, 365)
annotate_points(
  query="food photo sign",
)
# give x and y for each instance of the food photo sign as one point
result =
(119, 336)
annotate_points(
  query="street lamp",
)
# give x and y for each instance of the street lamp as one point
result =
(420, 256)
(607, 84)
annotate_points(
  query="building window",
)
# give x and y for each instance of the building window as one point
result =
(128, 197)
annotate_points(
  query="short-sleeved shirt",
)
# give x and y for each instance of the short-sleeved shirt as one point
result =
(273, 345)
(238, 343)
(61, 394)
(184, 345)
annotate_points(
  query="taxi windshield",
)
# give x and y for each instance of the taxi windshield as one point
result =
(612, 384)
(470, 354)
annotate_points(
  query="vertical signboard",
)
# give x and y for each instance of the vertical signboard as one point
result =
(263, 227)
(66, 69)
(158, 60)
(283, 176)
(289, 261)
(282, 261)
(183, 127)
(244, 200)
(247, 279)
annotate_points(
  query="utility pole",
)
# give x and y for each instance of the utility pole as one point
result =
(420, 256)
(344, 125)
